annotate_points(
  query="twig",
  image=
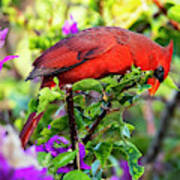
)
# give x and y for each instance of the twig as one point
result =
(72, 122)
(167, 114)
(96, 123)
(100, 4)
(173, 23)
(105, 111)
(160, 6)
(101, 131)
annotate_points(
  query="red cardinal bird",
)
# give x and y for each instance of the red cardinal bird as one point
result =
(100, 51)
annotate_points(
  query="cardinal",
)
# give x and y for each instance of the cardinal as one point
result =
(98, 52)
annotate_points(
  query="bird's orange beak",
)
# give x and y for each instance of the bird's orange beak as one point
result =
(154, 85)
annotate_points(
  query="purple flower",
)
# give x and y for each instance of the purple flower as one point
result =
(7, 58)
(124, 166)
(83, 166)
(65, 169)
(82, 155)
(57, 145)
(3, 34)
(70, 27)
(6, 172)
(10, 168)
(51, 148)
(31, 173)
(126, 171)
(114, 178)
(9, 173)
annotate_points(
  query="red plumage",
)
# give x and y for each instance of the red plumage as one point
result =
(97, 52)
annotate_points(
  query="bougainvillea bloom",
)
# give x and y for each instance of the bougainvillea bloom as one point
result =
(15, 164)
(7, 58)
(82, 154)
(3, 34)
(29, 172)
(126, 175)
(9, 173)
(70, 27)
(50, 147)
(126, 171)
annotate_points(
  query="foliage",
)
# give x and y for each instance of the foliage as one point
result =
(123, 133)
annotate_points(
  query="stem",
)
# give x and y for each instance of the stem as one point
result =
(173, 23)
(94, 126)
(105, 111)
(78, 157)
(72, 122)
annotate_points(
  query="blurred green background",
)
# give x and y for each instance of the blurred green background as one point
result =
(35, 25)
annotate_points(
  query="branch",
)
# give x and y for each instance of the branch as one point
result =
(96, 123)
(165, 121)
(72, 122)
(173, 23)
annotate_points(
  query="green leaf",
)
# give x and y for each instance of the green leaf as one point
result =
(110, 80)
(143, 87)
(76, 175)
(32, 106)
(126, 132)
(63, 159)
(130, 127)
(80, 101)
(60, 124)
(44, 158)
(46, 96)
(87, 85)
(93, 110)
(79, 118)
(132, 156)
(174, 13)
(170, 83)
(103, 151)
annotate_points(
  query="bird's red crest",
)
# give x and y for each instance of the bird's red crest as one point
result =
(169, 52)
(165, 63)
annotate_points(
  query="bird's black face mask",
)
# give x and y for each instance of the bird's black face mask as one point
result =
(159, 73)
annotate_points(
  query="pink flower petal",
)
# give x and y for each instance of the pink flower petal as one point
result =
(70, 27)
(7, 58)
(82, 154)
(3, 35)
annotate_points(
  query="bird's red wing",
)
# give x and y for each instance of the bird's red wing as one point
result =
(73, 51)
(29, 127)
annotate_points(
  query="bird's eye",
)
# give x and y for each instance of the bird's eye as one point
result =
(159, 73)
